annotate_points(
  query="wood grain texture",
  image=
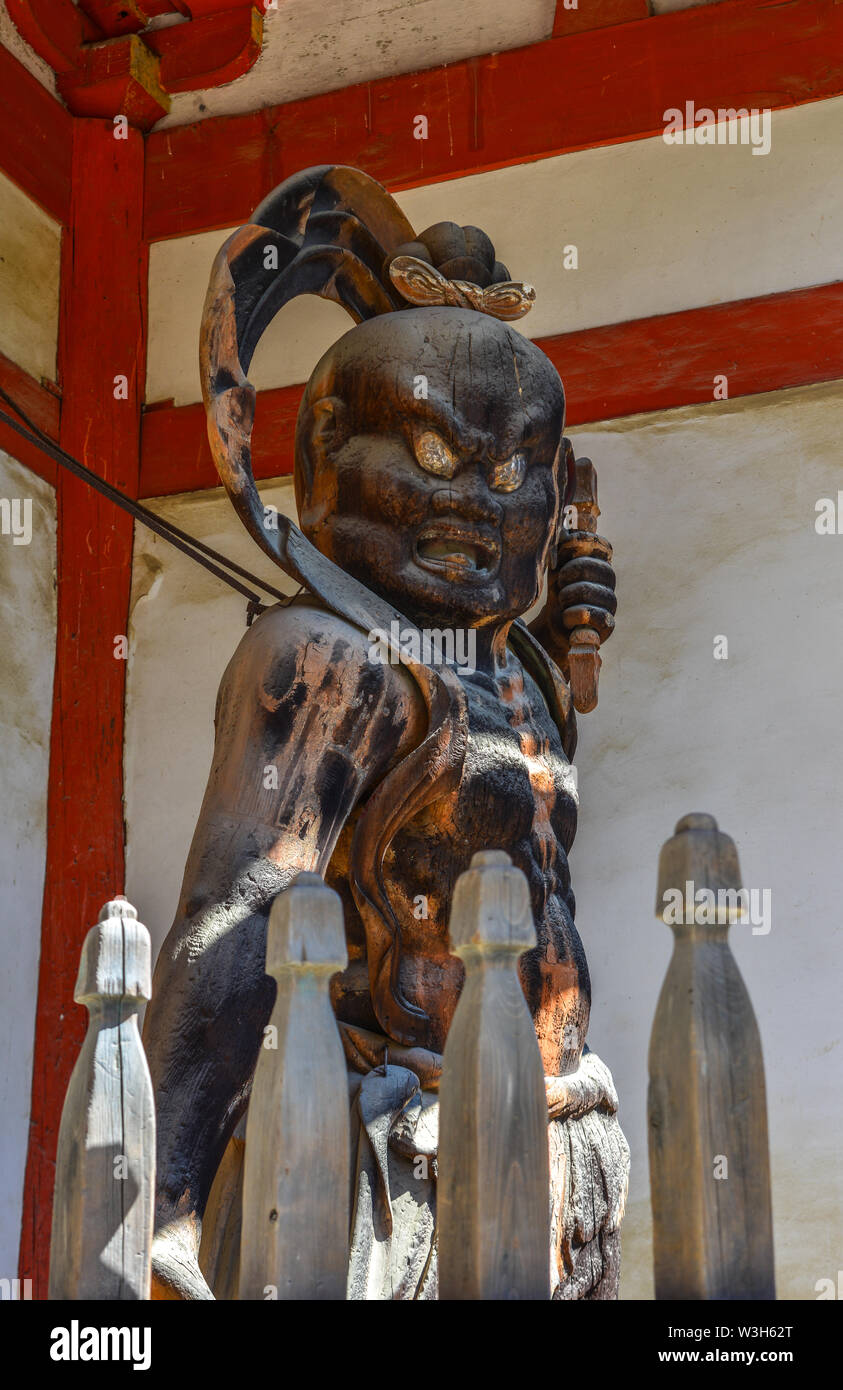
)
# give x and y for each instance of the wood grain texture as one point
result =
(571, 93)
(105, 1164)
(493, 1149)
(295, 1182)
(712, 1223)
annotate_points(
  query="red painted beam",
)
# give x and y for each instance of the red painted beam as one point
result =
(595, 88)
(176, 457)
(54, 28)
(764, 344)
(36, 138)
(198, 8)
(112, 18)
(103, 329)
(105, 67)
(41, 404)
(118, 77)
(157, 7)
(210, 51)
(644, 364)
(596, 14)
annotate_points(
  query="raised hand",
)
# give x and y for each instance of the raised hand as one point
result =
(581, 600)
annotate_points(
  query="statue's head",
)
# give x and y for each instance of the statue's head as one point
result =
(427, 462)
(430, 464)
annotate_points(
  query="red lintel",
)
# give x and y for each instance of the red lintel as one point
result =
(599, 87)
(621, 369)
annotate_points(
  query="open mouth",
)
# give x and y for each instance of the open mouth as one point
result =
(458, 550)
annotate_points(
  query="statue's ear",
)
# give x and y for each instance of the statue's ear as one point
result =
(320, 432)
(327, 427)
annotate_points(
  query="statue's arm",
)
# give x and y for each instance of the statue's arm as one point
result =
(306, 723)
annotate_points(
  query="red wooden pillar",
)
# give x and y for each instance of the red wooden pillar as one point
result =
(102, 339)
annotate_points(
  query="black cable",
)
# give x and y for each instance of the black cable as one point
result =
(196, 550)
(136, 509)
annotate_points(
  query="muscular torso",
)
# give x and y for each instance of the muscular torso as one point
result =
(306, 729)
(516, 793)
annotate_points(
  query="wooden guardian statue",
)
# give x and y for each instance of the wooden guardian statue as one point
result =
(431, 478)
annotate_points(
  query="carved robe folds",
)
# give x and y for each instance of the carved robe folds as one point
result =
(394, 1146)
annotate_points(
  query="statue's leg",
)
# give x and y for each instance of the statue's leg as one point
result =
(211, 1000)
(394, 1128)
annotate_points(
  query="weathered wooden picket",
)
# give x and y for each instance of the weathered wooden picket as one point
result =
(712, 1238)
(707, 1109)
(103, 1200)
(294, 1235)
(494, 1182)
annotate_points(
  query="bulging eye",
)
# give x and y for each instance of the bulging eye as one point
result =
(509, 475)
(435, 455)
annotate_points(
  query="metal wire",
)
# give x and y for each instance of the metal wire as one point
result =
(204, 555)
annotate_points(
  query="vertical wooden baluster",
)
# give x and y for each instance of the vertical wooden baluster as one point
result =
(105, 1165)
(294, 1242)
(707, 1111)
(494, 1182)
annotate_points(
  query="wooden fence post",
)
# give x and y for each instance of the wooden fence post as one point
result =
(105, 1165)
(494, 1180)
(294, 1241)
(707, 1111)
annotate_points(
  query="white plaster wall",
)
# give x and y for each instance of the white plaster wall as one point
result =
(27, 643)
(30, 261)
(657, 227)
(711, 511)
(310, 48)
(712, 515)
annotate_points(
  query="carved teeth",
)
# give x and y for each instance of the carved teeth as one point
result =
(455, 552)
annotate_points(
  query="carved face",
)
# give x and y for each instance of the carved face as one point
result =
(427, 463)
